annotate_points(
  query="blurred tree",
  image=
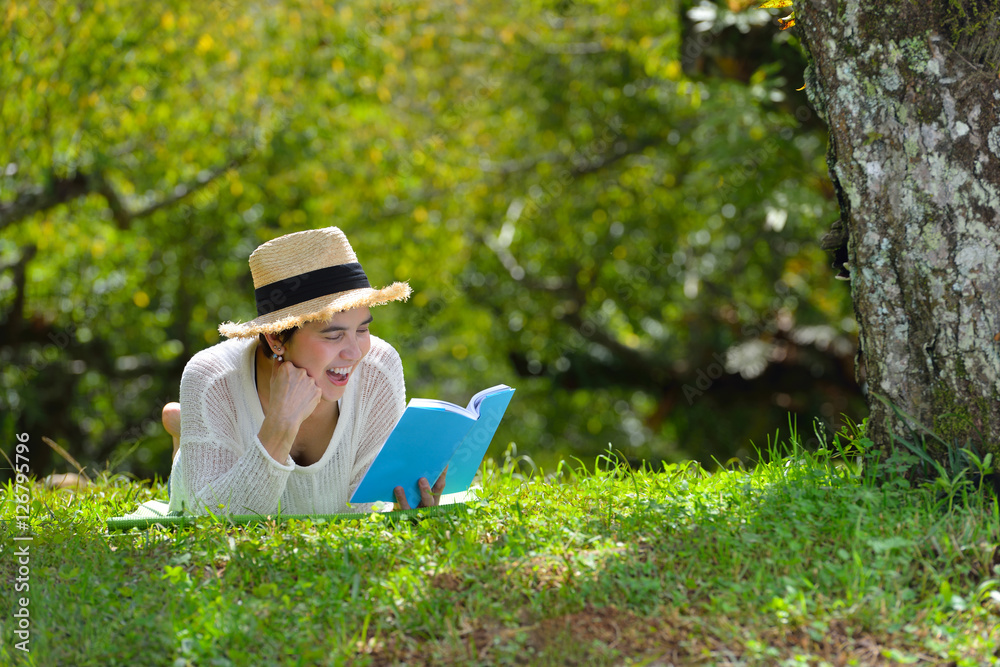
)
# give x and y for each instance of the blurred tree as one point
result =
(590, 200)
(615, 217)
(910, 94)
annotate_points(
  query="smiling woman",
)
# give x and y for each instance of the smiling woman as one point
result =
(289, 413)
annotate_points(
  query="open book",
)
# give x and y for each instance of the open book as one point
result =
(430, 435)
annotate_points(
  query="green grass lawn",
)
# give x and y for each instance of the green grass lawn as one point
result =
(801, 560)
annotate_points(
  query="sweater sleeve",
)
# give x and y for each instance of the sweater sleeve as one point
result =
(382, 399)
(218, 469)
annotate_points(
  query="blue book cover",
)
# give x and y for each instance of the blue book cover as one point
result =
(465, 461)
(430, 435)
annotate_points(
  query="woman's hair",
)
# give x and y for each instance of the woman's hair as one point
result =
(283, 336)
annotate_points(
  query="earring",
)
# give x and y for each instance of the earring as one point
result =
(278, 357)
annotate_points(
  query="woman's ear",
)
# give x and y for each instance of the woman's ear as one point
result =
(274, 345)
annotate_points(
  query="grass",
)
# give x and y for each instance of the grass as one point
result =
(801, 560)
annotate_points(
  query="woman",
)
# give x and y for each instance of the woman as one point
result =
(290, 412)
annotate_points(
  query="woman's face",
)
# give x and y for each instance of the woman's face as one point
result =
(330, 351)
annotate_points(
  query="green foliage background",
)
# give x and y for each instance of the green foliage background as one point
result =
(607, 205)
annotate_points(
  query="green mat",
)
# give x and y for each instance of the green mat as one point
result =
(155, 513)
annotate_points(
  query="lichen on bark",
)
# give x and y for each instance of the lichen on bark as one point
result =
(913, 108)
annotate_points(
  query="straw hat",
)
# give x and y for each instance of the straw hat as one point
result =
(304, 277)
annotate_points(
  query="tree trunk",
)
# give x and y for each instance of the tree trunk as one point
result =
(910, 93)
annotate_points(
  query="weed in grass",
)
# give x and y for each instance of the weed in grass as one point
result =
(955, 470)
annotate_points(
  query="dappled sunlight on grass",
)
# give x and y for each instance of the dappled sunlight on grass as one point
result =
(801, 557)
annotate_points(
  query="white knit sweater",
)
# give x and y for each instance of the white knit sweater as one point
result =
(223, 463)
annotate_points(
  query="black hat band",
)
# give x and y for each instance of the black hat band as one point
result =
(310, 285)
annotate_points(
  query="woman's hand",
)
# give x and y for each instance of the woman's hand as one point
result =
(293, 396)
(430, 496)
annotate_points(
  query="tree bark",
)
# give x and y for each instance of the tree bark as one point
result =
(910, 93)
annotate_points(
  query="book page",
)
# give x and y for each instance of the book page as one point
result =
(435, 404)
(477, 400)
